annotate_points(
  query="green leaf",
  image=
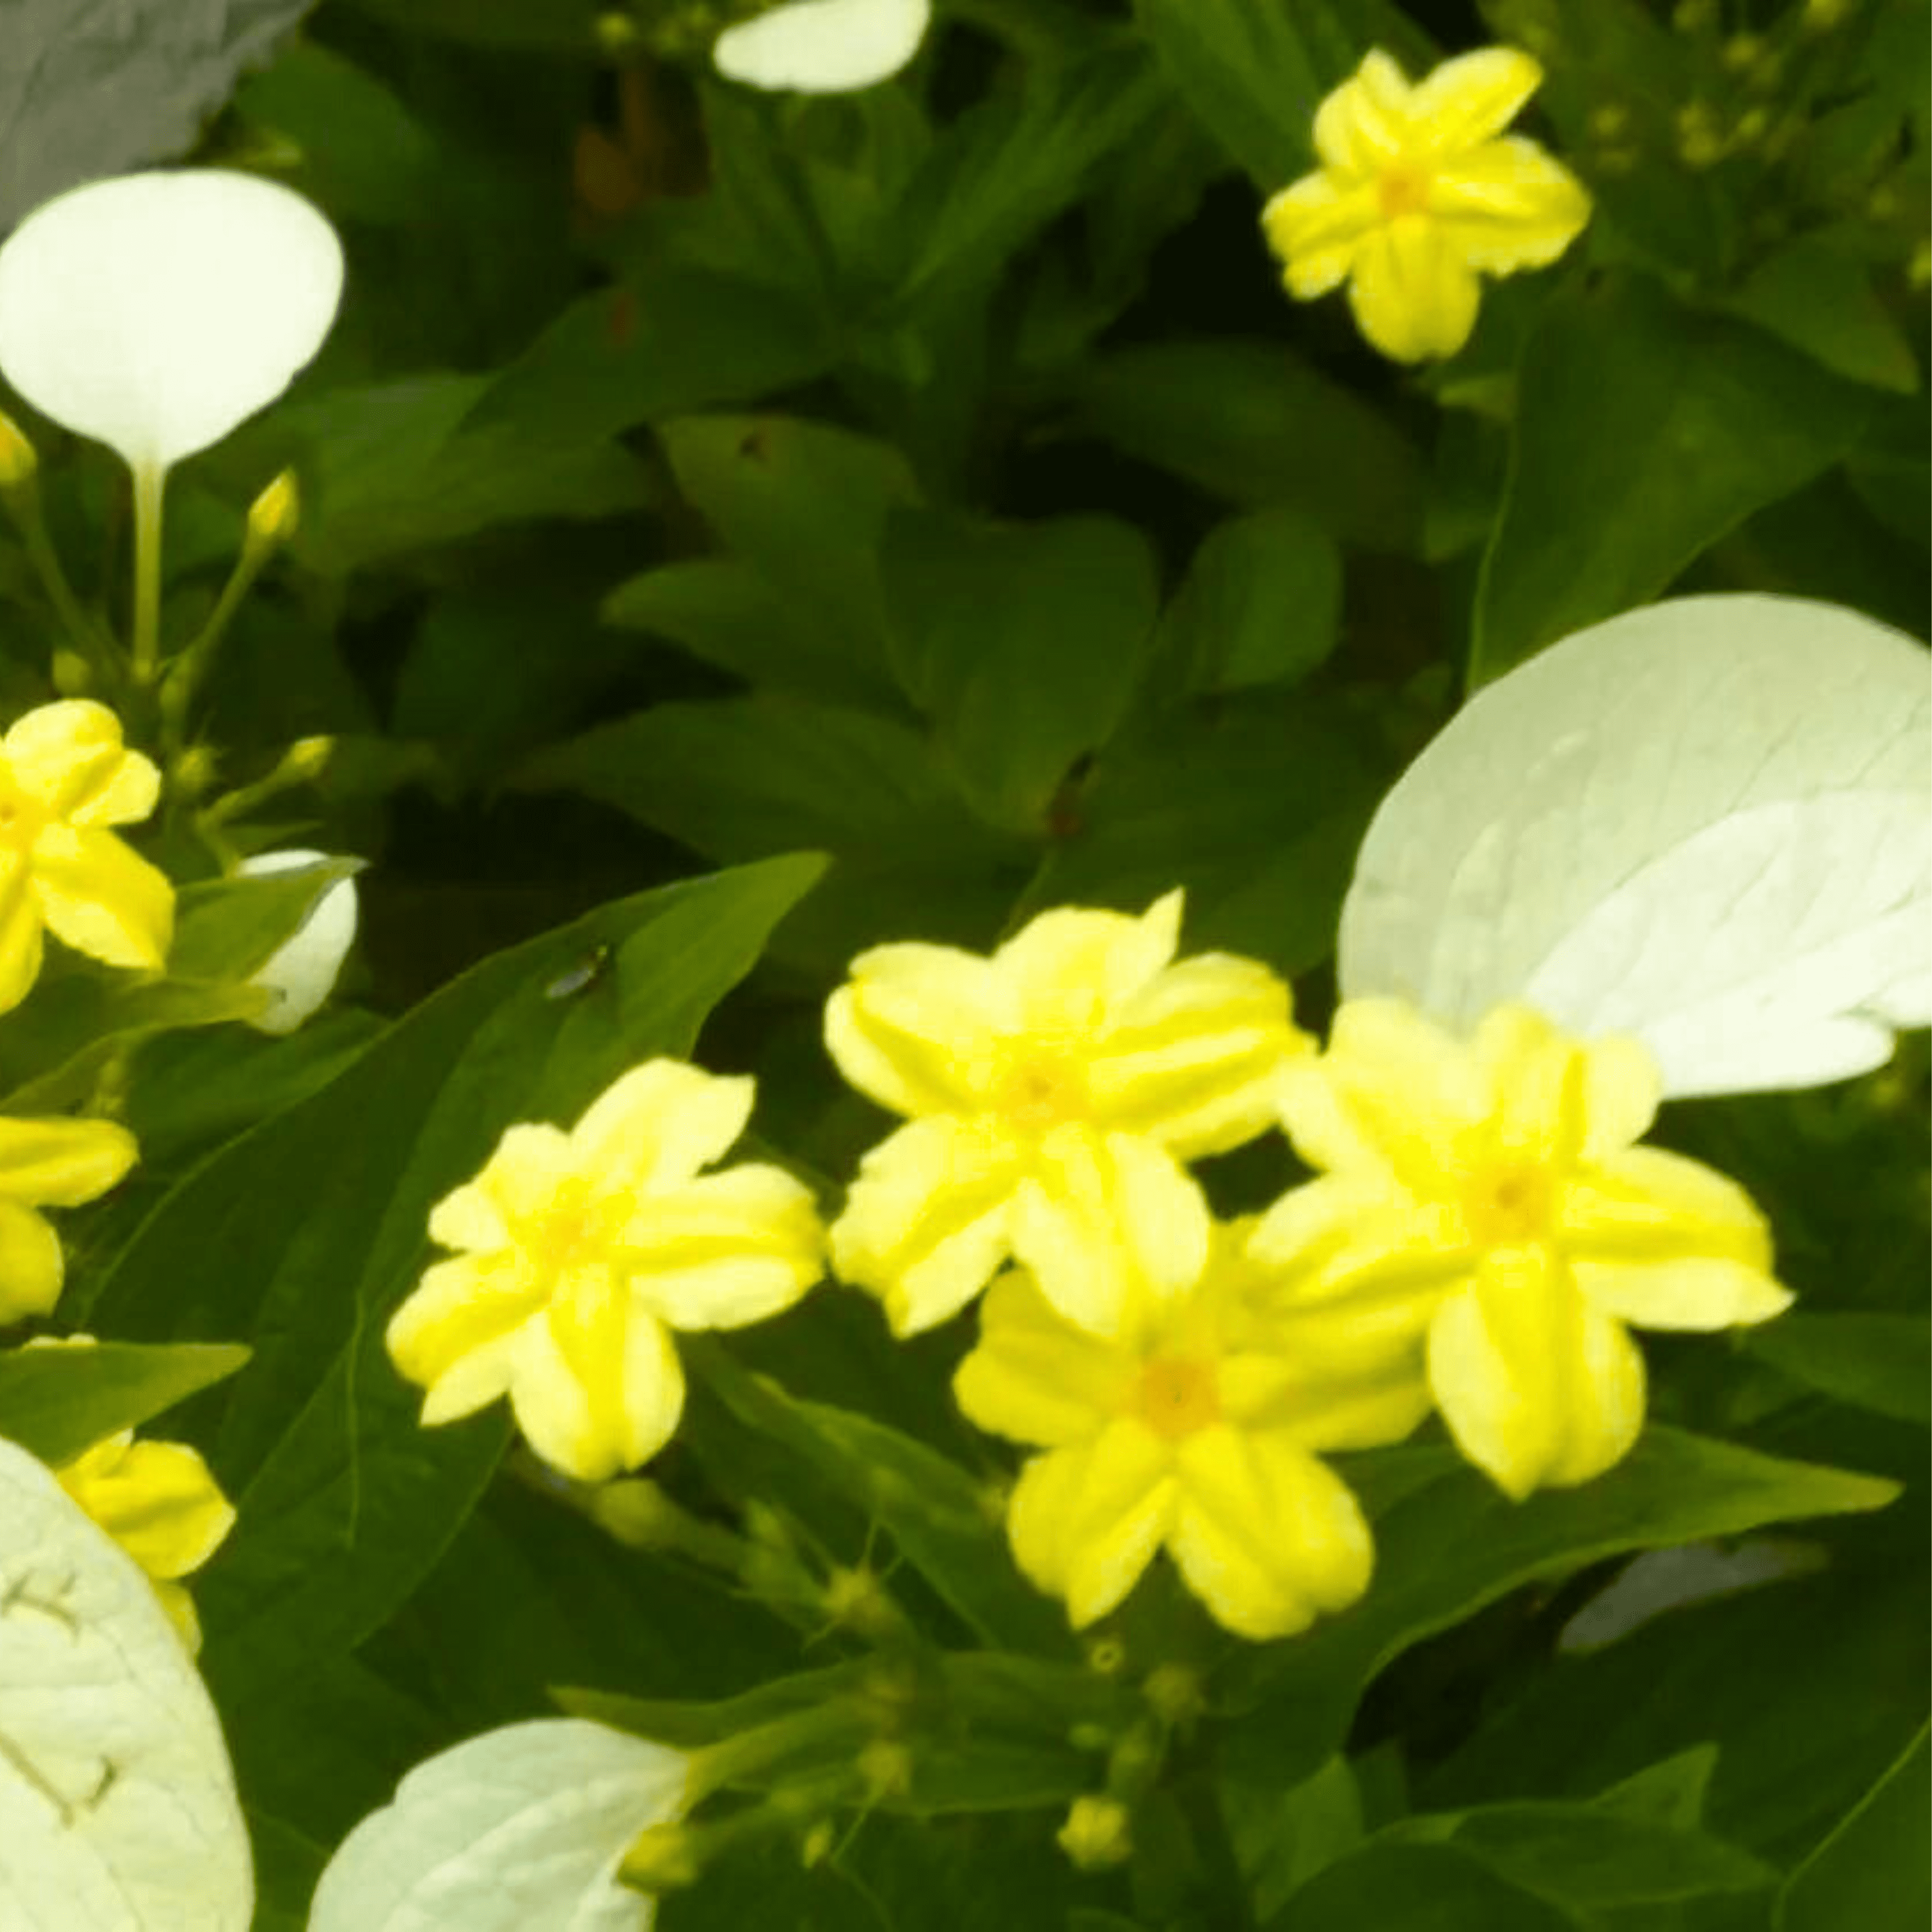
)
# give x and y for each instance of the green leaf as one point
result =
(1261, 604)
(1257, 810)
(1251, 422)
(1872, 1870)
(1451, 1543)
(1582, 1857)
(1024, 643)
(806, 505)
(318, 1219)
(89, 98)
(1644, 432)
(1707, 823)
(1282, 1837)
(1815, 293)
(685, 338)
(1880, 1362)
(57, 1403)
(395, 466)
(1404, 1888)
(1255, 72)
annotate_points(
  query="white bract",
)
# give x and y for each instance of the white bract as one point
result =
(1707, 823)
(302, 972)
(154, 312)
(521, 1830)
(118, 1811)
(823, 46)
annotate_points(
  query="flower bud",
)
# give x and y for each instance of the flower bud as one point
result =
(661, 1859)
(274, 514)
(1097, 1834)
(17, 459)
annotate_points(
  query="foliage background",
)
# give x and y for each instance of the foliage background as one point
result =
(935, 480)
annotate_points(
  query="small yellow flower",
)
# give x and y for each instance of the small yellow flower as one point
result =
(64, 777)
(579, 1252)
(1053, 1090)
(1487, 1200)
(157, 1501)
(1419, 192)
(1186, 1434)
(52, 1163)
(1098, 1833)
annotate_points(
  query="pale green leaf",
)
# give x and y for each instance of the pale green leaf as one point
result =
(1707, 823)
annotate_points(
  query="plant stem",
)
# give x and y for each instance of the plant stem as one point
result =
(149, 479)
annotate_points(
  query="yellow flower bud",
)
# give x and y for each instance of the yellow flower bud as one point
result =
(1097, 1834)
(661, 1859)
(1175, 1693)
(274, 514)
(17, 459)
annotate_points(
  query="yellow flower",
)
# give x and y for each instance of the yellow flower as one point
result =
(579, 1252)
(64, 777)
(49, 1164)
(1487, 1200)
(1419, 191)
(157, 1501)
(1187, 1433)
(1054, 1090)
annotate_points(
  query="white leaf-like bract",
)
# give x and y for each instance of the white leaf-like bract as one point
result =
(823, 46)
(118, 1811)
(1707, 823)
(154, 312)
(521, 1830)
(302, 972)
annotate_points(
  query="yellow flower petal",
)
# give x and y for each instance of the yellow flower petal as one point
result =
(658, 1125)
(1341, 1236)
(1466, 101)
(1414, 297)
(1067, 974)
(1086, 1520)
(1103, 1220)
(469, 1217)
(31, 1267)
(597, 1387)
(532, 1161)
(1034, 1377)
(101, 898)
(156, 1499)
(914, 1028)
(1647, 1204)
(929, 1218)
(725, 1249)
(60, 1163)
(1507, 207)
(21, 927)
(1537, 1387)
(1316, 226)
(179, 1606)
(1365, 123)
(69, 758)
(1193, 1059)
(460, 1309)
(1309, 1404)
(1267, 1536)
(1697, 1292)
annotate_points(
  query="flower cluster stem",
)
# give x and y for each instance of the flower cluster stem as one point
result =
(149, 479)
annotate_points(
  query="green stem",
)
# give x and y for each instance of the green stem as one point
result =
(190, 666)
(148, 480)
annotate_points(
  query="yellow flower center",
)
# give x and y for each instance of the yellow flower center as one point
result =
(1177, 1396)
(574, 1230)
(1508, 1203)
(1039, 1091)
(1404, 190)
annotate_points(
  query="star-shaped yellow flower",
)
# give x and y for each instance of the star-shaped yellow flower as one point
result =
(64, 777)
(158, 1501)
(1188, 1432)
(579, 1252)
(1419, 192)
(1486, 1200)
(49, 1163)
(1053, 1090)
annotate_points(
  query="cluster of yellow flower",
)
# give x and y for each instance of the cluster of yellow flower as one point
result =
(1480, 1230)
(65, 778)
